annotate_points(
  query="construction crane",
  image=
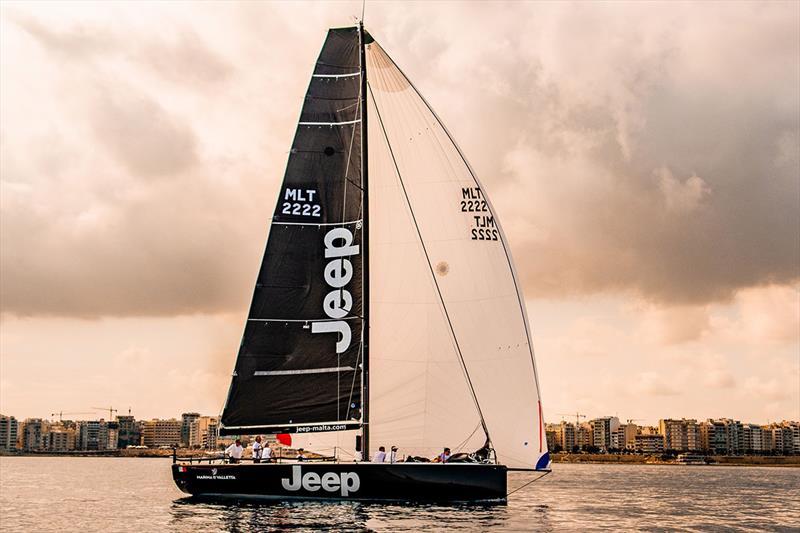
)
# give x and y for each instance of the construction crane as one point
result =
(577, 416)
(62, 413)
(110, 410)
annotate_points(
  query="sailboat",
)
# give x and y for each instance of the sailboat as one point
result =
(387, 308)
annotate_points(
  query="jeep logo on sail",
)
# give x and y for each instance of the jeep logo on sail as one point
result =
(338, 273)
(345, 483)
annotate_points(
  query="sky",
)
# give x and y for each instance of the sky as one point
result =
(644, 159)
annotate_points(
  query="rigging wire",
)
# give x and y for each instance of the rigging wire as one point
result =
(546, 472)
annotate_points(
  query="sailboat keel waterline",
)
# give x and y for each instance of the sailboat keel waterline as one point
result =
(386, 305)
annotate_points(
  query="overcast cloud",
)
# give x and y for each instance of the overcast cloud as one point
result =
(650, 149)
(644, 159)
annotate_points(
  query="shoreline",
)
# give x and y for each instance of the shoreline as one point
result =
(560, 458)
(715, 460)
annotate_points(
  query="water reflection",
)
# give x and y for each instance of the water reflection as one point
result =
(195, 514)
(121, 495)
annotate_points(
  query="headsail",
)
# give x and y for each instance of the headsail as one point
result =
(467, 348)
(299, 364)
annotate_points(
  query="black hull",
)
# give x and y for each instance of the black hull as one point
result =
(344, 481)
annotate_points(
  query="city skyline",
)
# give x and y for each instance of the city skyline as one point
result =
(608, 434)
(647, 184)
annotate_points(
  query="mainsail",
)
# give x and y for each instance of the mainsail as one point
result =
(298, 367)
(450, 360)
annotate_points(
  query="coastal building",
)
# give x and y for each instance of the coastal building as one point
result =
(188, 420)
(96, 435)
(129, 434)
(32, 434)
(9, 429)
(565, 435)
(680, 435)
(158, 432)
(648, 443)
(602, 430)
(113, 435)
(624, 438)
(714, 437)
(550, 436)
(791, 432)
(753, 438)
(207, 430)
(584, 437)
(61, 438)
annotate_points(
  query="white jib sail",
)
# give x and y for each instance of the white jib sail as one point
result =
(446, 311)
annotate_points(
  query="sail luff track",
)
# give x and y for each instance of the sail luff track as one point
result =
(365, 232)
(430, 266)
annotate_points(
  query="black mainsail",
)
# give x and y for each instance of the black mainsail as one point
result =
(299, 367)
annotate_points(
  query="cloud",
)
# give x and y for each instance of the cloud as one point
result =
(626, 160)
(679, 196)
(766, 389)
(768, 316)
(639, 149)
(673, 324)
(141, 135)
(654, 384)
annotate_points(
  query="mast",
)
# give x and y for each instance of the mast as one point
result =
(365, 247)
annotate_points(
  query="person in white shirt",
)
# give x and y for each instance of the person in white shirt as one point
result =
(301, 456)
(266, 454)
(444, 456)
(258, 449)
(358, 457)
(393, 455)
(380, 455)
(235, 451)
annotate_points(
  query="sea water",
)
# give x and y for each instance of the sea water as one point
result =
(125, 494)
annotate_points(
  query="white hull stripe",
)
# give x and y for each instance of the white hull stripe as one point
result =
(351, 75)
(306, 371)
(329, 123)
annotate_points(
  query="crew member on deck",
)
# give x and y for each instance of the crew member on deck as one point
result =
(258, 449)
(393, 455)
(234, 451)
(266, 454)
(444, 456)
(380, 455)
(300, 455)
